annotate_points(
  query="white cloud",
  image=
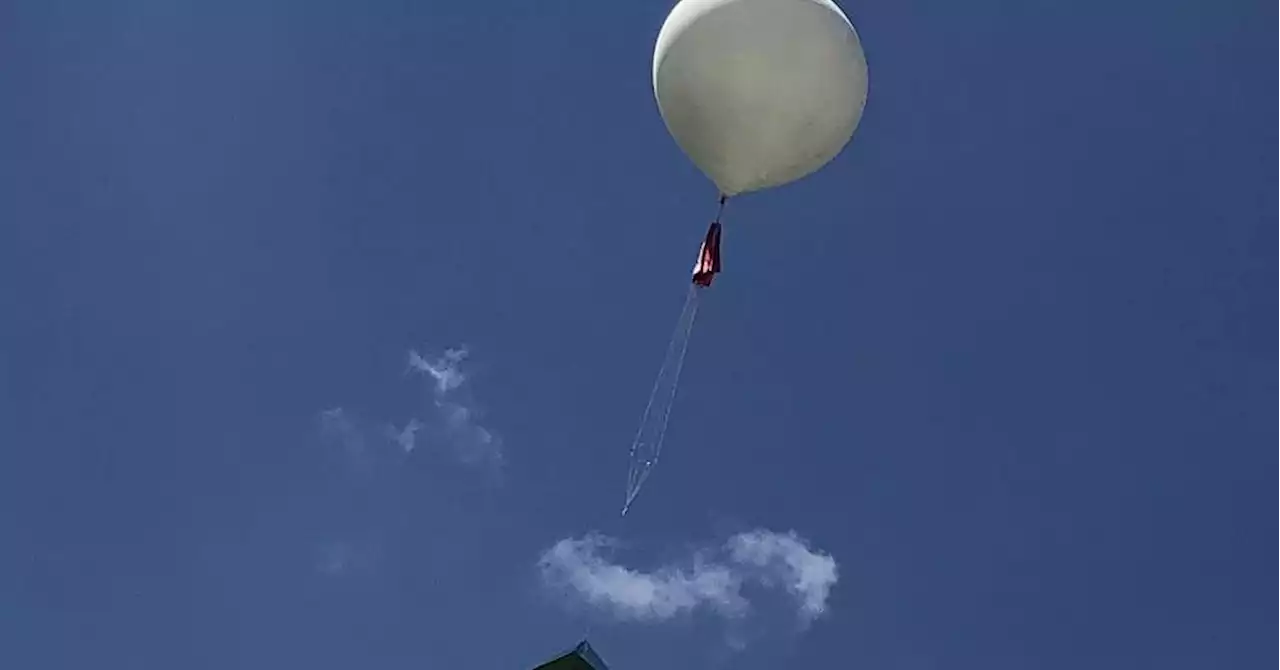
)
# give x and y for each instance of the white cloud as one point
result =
(631, 594)
(808, 575)
(761, 557)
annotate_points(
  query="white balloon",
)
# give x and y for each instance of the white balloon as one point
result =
(759, 93)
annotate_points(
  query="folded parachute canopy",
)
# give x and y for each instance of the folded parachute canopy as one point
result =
(708, 264)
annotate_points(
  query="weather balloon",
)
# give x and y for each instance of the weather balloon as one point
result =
(759, 93)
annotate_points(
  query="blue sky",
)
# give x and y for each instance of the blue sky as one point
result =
(1005, 362)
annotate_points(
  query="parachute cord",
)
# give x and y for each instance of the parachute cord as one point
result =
(647, 446)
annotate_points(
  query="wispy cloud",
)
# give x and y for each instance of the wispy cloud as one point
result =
(445, 370)
(339, 558)
(473, 443)
(458, 415)
(445, 420)
(335, 423)
(337, 426)
(405, 437)
(450, 420)
(334, 558)
(707, 580)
